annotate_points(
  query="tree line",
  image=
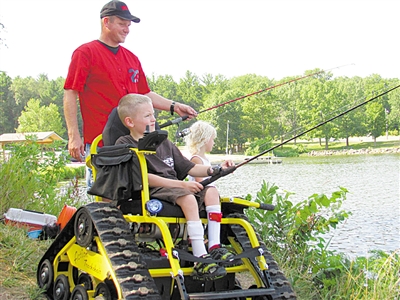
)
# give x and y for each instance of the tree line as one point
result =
(36, 104)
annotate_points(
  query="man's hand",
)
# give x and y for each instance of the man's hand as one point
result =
(76, 149)
(185, 110)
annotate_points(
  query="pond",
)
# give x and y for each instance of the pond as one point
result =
(373, 198)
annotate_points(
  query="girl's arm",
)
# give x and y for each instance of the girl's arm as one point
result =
(197, 161)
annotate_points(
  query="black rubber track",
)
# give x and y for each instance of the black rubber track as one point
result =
(132, 275)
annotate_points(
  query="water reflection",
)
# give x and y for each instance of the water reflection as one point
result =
(373, 198)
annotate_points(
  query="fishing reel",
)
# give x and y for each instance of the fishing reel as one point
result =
(182, 133)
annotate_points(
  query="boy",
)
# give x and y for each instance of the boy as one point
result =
(167, 169)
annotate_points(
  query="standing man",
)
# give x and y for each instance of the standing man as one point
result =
(101, 72)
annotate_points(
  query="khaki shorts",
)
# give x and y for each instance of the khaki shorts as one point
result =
(171, 194)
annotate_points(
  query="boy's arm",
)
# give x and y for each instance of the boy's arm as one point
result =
(200, 171)
(158, 181)
(204, 171)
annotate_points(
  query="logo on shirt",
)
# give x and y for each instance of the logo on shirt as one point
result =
(169, 161)
(135, 75)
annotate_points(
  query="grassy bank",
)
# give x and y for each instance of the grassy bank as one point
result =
(354, 143)
(314, 274)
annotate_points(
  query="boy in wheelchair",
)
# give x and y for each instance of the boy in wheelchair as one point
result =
(166, 171)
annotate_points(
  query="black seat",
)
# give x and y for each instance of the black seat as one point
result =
(113, 129)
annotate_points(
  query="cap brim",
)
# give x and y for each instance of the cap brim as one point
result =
(133, 19)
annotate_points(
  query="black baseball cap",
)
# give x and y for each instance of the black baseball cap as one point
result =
(119, 9)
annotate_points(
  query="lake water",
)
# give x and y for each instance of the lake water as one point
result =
(373, 198)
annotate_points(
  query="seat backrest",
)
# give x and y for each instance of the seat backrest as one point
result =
(113, 129)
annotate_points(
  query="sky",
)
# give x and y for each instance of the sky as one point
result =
(272, 38)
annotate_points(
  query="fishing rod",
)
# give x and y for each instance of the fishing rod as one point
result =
(223, 172)
(178, 120)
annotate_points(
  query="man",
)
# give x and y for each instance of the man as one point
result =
(100, 73)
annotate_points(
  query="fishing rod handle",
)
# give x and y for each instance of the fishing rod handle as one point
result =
(176, 121)
(222, 173)
(266, 206)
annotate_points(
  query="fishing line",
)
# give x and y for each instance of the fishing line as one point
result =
(229, 170)
(178, 120)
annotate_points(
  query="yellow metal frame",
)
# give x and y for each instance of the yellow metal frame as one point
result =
(71, 251)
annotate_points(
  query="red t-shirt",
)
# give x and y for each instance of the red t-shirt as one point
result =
(101, 79)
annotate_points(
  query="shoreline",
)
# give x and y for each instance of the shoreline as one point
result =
(354, 151)
(238, 158)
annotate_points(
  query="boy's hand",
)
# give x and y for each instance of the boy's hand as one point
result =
(227, 164)
(192, 186)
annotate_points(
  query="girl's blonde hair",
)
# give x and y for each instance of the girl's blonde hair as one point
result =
(200, 133)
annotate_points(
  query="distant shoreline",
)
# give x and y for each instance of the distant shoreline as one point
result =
(354, 151)
(218, 158)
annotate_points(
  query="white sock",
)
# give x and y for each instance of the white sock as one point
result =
(214, 227)
(196, 235)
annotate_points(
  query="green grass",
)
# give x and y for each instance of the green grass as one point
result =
(308, 146)
(19, 256)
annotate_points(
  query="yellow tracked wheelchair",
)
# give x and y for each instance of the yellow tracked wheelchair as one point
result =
(134, 247)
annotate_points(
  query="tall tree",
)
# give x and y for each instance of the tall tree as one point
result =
(258, 111)
(375, 110)
(350, 92)
(37, 118)
(7, 105)
(318, 102)
(190, 90)
(393, 111)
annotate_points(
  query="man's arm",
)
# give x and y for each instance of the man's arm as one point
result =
(75, 144)
(162, 103)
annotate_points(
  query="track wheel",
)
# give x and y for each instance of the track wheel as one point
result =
(79, 293)
(61, 288)
(45, 275)
(103, 290)
(83, 228)
(85, 280)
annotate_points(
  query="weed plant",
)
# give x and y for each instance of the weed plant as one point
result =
(19, 257)
(293, 233)
(30, 177)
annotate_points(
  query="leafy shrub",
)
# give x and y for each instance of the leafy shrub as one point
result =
(288, 152)
(296, 230)
(29, 179)
(72, 173)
